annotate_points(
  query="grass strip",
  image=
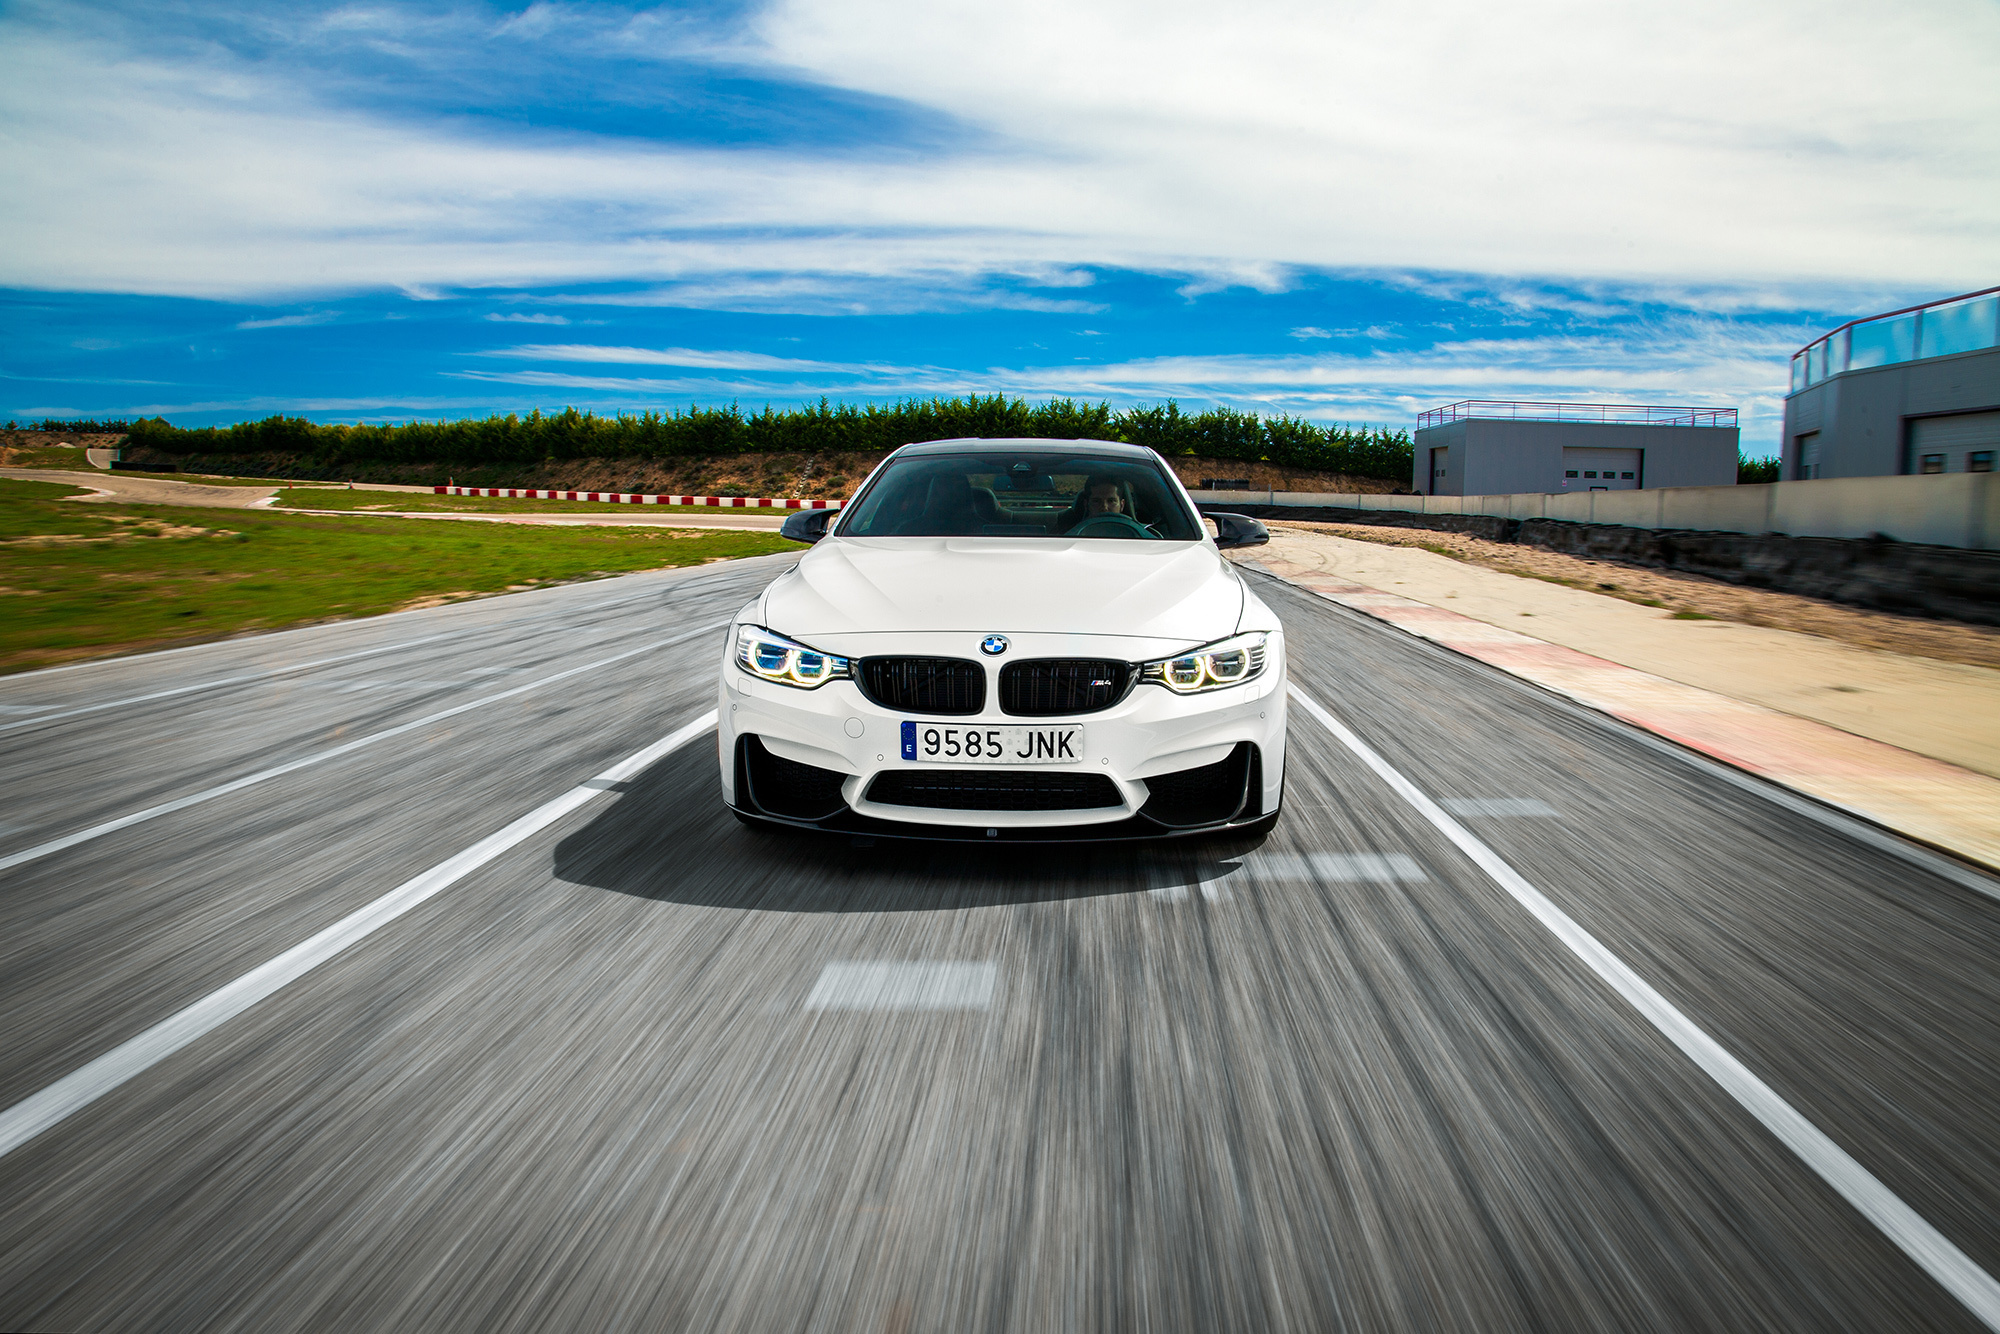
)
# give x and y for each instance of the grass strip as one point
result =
(420, 502)
(45, 456)
(79, 581)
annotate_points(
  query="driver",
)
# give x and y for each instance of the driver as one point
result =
(1100, 495)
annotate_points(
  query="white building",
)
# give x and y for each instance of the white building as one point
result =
(1489, 448)
(1911, 391)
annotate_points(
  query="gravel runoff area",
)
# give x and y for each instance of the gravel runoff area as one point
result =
(1695, 595)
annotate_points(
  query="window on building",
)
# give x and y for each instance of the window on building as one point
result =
(1626, 475)
(1979, 460)
(1590, 474)
(1931, 463)
(1570, 472)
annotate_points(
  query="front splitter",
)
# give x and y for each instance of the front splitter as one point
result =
(1132, 829)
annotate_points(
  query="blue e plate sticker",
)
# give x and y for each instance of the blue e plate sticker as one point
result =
(909, 741)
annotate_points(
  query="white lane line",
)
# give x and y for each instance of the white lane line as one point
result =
(1859, 828)
(1503, 808)
(1341, 866)
(880, 984)
(293, 766)
(217, 684)
(78, 1089)
(1904, 1226)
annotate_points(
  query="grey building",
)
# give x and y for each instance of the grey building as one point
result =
(1912, 391)
(1487, 448)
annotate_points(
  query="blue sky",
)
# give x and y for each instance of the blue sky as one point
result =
(372, 211)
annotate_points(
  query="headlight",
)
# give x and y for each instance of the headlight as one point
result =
(1230, 662)
(772, 657)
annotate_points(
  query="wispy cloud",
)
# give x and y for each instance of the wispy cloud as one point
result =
(1699, 362)
(516, 317)
(662, 356)
(291, 321)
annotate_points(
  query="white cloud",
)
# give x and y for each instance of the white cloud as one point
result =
(1684, 361)
(291, 321)
(664, 356)
(1310, 331)
(1781, 147)
(515, 317)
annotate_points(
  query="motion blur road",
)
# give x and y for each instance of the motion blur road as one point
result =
(631, 1065)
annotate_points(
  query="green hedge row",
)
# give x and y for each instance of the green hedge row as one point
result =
(58, 426)
(1219, 433)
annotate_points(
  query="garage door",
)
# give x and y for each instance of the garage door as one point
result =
(1601, 469)
(1964, 443)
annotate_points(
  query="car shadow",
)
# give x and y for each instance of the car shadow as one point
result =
(667, 836)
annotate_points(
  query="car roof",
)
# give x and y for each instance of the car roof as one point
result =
(1034, 446)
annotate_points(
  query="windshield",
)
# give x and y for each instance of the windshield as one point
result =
(989, 494)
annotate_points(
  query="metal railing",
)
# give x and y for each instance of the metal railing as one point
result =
(1967, 323)
(1621, 414)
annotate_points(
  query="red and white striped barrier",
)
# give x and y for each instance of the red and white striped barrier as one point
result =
(641, 498)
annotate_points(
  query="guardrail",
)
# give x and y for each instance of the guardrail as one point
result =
(1957, 509)
(1967, 323)
(1610, 414)
(640, 498)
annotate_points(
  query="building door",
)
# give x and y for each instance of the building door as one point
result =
(1440, 464)
(1807, 466)
(1965, 442)
(1603, 469)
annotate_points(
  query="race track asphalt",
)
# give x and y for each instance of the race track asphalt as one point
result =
(634, 1066)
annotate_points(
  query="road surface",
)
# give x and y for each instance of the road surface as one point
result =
(348, 980)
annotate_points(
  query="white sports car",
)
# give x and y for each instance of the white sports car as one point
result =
(1021, 640)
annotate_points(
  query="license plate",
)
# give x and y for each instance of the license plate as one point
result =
(938, 743)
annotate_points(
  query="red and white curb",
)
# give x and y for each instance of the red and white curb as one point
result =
(1929, 800)
(640, 498)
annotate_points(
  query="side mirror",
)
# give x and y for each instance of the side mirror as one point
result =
(1238, 530)
(808, 525)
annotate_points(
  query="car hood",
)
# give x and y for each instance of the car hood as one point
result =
(1187, 594)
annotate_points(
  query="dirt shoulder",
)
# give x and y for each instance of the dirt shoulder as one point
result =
(1694, 596)
(1941, 707)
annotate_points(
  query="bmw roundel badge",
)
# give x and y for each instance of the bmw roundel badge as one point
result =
(993, 645)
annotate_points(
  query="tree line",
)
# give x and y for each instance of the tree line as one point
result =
(537, 437)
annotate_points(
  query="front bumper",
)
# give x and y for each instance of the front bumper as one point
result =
(844, 741)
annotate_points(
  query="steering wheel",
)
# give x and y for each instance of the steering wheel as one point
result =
(1111, 525)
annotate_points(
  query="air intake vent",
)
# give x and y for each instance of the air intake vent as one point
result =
(1208, 795)
(977, 790)
(780, 786)
(1047, 687)
(925, 685)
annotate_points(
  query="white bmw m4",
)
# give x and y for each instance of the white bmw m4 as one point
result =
(1012, 640)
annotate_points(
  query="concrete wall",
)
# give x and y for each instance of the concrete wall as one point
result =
(1946, 509)
(1860, 415)
(1508, 457)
